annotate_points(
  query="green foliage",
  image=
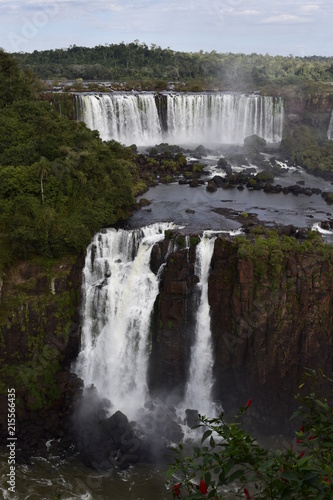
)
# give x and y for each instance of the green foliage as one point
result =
(229, 460)
(307, 149)
(59, 183)
(152, 68)
(14, 84)
(264, 177)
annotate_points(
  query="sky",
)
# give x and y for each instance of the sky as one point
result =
(285, 27)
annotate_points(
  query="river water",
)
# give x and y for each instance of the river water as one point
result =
(53, 478)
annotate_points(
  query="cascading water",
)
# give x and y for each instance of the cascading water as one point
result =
(119, 294)
(330, 128)
(130, 119)
(195, 118)
(223, 118)
(198, 392)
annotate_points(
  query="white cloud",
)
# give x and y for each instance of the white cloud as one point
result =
(310, 8)
(248, 12)
(284, 19)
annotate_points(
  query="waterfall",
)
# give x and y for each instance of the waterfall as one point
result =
(330, 128)
(223, 118)
(198, 392)
(126, 118)
(145, 120)
(119, 293)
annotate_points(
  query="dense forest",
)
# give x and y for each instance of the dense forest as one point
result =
(59, 183)
(136, 61)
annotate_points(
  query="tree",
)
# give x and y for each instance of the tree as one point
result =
(42, 170)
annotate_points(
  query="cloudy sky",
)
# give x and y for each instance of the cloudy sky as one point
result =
(298, 27)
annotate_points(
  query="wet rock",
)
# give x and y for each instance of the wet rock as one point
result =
(218, 180)
(211, 187)
(191, 418)
(144, 202)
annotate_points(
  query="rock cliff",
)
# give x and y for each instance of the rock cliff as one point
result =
(271, 318)
(311, 110)
(39, 328)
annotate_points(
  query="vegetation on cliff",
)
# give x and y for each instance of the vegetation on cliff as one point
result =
(59, 183)
(307, 148)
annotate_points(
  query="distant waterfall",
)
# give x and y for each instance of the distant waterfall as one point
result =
(119, 294)
(198, 392)
(129, 119)
(330, 129)
(147, 118)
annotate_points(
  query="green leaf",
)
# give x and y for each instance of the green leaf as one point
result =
(235, 475)
(207, 478)
(206, 434)
(290, 476)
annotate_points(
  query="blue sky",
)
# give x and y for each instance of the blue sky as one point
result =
(297, 27)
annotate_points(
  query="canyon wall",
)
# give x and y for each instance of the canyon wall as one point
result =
(271, 304)
(39, 336)
(311, 110)
(271, 319)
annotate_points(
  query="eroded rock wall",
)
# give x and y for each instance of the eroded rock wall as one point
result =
(271, 319)
(39, 336)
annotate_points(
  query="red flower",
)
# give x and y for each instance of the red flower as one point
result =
(301, 454)
(176, 489)
(302, 428)
(249, 403)
(326, 480)
(299, 441)
(203, 487)
(246, 493)
(312, 437)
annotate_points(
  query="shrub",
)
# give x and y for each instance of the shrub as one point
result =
(228, 459)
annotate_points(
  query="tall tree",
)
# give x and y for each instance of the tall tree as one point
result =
(42, 169)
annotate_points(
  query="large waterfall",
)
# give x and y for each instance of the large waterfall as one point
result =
(198, 394)
(330, 129)
(147, 119)
(119, 294)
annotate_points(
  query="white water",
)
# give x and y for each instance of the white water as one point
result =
(198, 392)
(330, 128)
(129, 119)
(119, 294)
(223, 118)
(190, 118)
(317, 227)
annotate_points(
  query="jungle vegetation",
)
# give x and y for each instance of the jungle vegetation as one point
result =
(153, 67)
(59, 183)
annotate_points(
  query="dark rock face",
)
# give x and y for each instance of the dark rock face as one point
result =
(312, 110)
(267, 328)
(39, 325)
(173, 323)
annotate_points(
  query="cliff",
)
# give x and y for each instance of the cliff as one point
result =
(313, 110)
(39, 335)
(271, 318)
(271, 303)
